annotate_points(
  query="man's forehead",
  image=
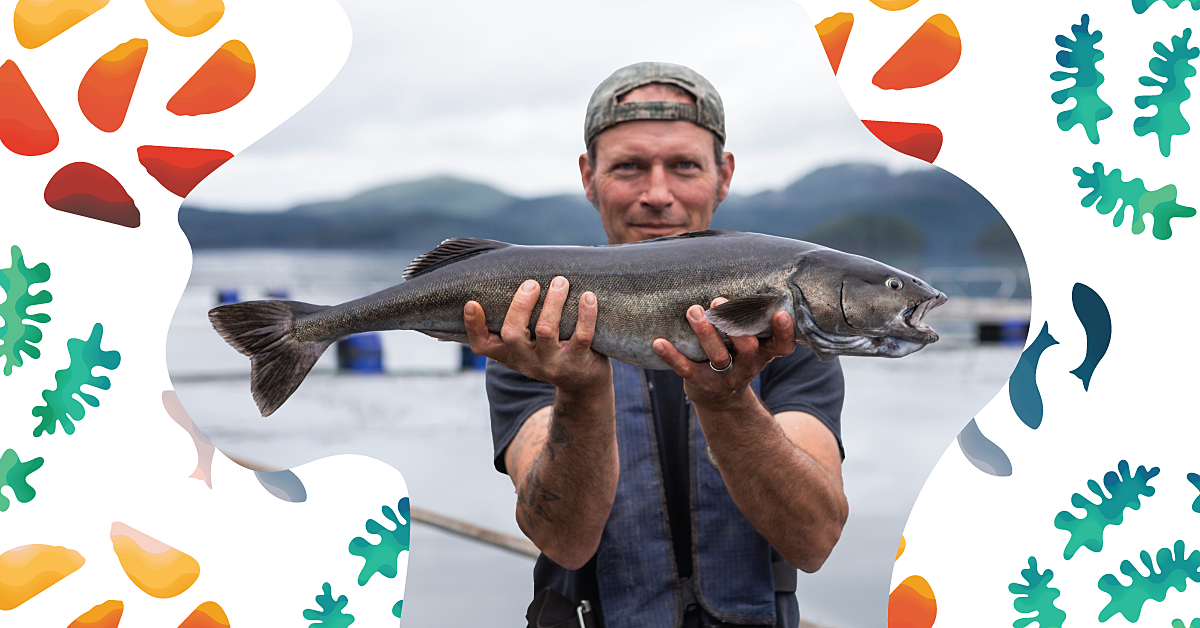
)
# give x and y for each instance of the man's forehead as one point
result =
(649, 139)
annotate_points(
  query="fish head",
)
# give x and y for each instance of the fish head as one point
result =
(851, 305)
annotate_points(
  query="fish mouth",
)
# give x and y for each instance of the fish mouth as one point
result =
(915, 316)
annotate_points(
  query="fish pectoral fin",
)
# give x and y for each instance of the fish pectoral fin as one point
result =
(446, 336)
(746, 316)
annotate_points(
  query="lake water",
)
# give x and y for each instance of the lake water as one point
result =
(899, 418)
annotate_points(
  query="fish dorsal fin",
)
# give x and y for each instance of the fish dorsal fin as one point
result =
(685, 236)
(450, 251)
(746, 316)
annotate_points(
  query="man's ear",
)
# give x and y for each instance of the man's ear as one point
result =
(725, 174)
(588, 176)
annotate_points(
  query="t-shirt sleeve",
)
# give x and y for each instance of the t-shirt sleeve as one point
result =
(513, 398)
(802, 383)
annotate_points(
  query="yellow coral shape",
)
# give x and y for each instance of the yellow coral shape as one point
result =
(893, 5)
(187, 18)
(30, 569)
(38, 21)
(155, 567)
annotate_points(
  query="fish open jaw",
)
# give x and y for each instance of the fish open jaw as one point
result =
(915, 318)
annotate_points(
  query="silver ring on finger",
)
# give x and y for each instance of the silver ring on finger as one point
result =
(724, 370)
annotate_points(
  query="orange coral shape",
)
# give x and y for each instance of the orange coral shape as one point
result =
(912, 604)
(187, 18)
(207, 615)
(900, 548)
(834, 32)
(107, 88)
(893, 5)
(106, 615)
(929, 55)
(30, 569)
(222, 82)
(38, 21)
(155, 567)
(24, 126)
(923, 141)
(180, 170)
(88, 190)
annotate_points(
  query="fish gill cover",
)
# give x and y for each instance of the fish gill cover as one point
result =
(1109, 189)
(1126, 492)
(61, 405)
(1174, 572)
(16, 335)
(1081, 53)
(382, 557)
(330, 615)
(1174, 66)
(1037, 597)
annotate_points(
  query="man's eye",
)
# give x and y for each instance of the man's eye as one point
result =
(629, 165)
(687, 165)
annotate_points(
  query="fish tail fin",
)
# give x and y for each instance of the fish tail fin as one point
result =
(262, 330)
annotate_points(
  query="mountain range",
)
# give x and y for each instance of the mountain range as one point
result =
(924, 217)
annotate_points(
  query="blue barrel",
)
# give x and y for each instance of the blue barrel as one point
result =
(360, 353)
(277, 293)
(227, 295)
(1014, 332)
(472, 362)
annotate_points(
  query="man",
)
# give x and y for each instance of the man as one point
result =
(662, 498)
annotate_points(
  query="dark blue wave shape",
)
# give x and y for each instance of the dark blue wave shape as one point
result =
(983, 453)
(1097, 324)
(1022, 384)
(282, 484)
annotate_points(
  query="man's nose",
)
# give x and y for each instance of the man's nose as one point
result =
(658, 192)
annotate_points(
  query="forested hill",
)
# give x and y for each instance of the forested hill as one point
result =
(922, 217)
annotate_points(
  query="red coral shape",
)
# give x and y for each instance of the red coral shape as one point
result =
(107, 88)
(912, 604)
(222, 82)
(834, 32)
(929, 55)
(207, 615)
(24, 126)
(923, 141)
(87, 190)
(180, 170)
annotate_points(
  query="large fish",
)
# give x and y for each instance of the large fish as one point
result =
(841, 304)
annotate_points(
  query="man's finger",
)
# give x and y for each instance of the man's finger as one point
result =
(585, 325)
(516, 323)
(710, 341)
(783, 335)
(674, 359)
(477, 332)
(547, 326)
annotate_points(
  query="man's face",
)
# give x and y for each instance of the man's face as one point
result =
(654, 178)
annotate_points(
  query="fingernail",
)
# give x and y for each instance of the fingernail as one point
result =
(558, 282)
(469, 310)
(529, 286)
(659, 346)
(589, 299)
(695, 313)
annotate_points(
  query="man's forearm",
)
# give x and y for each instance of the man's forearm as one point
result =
(791, 499)
(565, 494)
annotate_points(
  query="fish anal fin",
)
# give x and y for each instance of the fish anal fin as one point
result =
(746, 316)
(450, 251)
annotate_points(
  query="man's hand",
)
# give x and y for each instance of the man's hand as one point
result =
(708, 388)
(570, 364)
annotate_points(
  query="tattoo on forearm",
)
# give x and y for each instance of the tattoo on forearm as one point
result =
(532, 494)
(560, 435)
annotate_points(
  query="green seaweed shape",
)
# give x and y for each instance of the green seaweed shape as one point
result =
(382, 557)
(1175, 571)
(15, 475)
(1195, 480)
(1126, 492)
(1174, 67)
(1178, 623)
(1081, 53)
(16, 335)
(1037, 597)
(330, 615)
(1140, 6)
(399, 606)
(1110, 189)
(61, 405)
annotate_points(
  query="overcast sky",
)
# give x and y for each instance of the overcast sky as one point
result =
(496, 92)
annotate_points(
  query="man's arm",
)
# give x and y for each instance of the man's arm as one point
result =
(784, 471)
(563, 460)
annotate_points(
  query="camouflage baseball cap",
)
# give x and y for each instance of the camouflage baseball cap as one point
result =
(604, 111)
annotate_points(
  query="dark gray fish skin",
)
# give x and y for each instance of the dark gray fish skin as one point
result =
(842, 304)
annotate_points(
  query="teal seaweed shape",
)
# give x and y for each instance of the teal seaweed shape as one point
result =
(1140, 6)
(382, 557)
(1195, 480)
(17, 336)
(15, 475)
(1037, 597)
(1178, 623)
(1081, 54)
(1174, 67)
(1174, 572)
(330, 615)
(399, 606)
(1126, 492)
(1110, 190)
(61, 405)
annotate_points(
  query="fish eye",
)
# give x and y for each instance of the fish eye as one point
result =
(894, 284)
